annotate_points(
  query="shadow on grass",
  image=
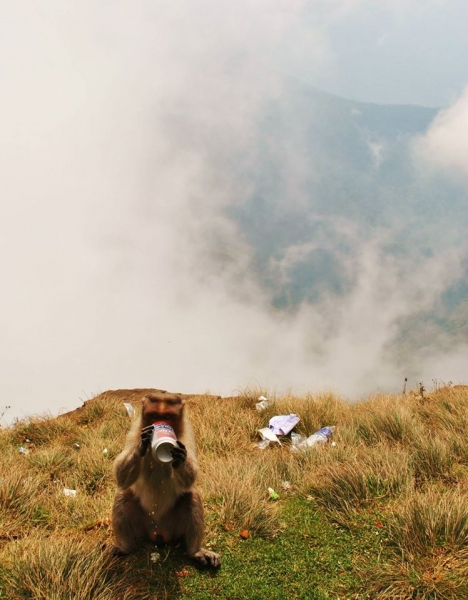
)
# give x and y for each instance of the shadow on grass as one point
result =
(165, 572)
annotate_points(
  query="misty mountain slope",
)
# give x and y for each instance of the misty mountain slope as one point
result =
(333, 179)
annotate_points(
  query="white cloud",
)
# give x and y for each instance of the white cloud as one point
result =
(446, 143)
(124, 128)
(119, 124)
(377, 150)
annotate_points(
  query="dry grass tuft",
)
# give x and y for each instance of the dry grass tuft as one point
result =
(431, 520)
(63, 569)
(23, 505)
(238, 493)
(384, 418)
(43, 430)
(432, 459)
(224, 427)
(371, 474)
(429, 537)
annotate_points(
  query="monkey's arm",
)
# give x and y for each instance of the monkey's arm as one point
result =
(127, 464)
(185, 466)
(127, 467)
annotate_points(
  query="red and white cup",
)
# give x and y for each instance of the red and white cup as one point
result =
(162, 442)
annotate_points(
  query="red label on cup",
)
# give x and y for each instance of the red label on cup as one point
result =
(163, 441)
(163, 430)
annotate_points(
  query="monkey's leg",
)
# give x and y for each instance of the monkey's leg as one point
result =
(129, 523)
(186, 521)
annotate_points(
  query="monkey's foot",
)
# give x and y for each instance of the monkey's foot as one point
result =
(206, 558)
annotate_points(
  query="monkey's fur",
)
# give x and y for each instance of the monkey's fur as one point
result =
(158, 501)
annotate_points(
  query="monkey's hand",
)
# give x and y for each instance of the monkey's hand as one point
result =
(179, 454)
(145, 440)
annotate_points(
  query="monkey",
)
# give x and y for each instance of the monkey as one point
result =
(158, 502)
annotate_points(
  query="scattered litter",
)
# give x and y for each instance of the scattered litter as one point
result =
(76, 445)
(155, 557)
(71, 493)
(263, 444)
(28, 441)
(262, 403)
(23, 450)
(333, 444)
(283, 424)
(267, 434)
(130, 409)
(297, 439)
(300, 442)
(245, 534)
(273, 495)
(286, 485)
(105, 451)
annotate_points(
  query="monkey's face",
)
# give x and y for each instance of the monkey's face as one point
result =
(162, 406)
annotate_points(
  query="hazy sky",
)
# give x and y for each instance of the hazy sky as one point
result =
(118, 122)
(399, 52)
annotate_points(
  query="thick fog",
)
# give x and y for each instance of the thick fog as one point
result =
(123, 127)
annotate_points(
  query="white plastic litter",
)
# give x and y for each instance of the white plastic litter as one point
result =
(262, 403)
(297, 439)
(267, 434)
(71, 493)
(283, 424)
(321, 436)
(130, 409)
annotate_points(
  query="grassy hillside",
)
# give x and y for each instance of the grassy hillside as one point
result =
(381, 514)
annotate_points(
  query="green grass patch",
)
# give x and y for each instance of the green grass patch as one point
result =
(309, 559)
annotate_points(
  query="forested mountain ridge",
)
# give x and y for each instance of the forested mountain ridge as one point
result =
(331, 175)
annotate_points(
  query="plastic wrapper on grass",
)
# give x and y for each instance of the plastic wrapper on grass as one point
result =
(322, 436)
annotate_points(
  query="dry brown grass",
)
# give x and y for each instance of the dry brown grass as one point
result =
(370, 475)
(429, 536)
(395, 453)
(238, 493)
(64, 569)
